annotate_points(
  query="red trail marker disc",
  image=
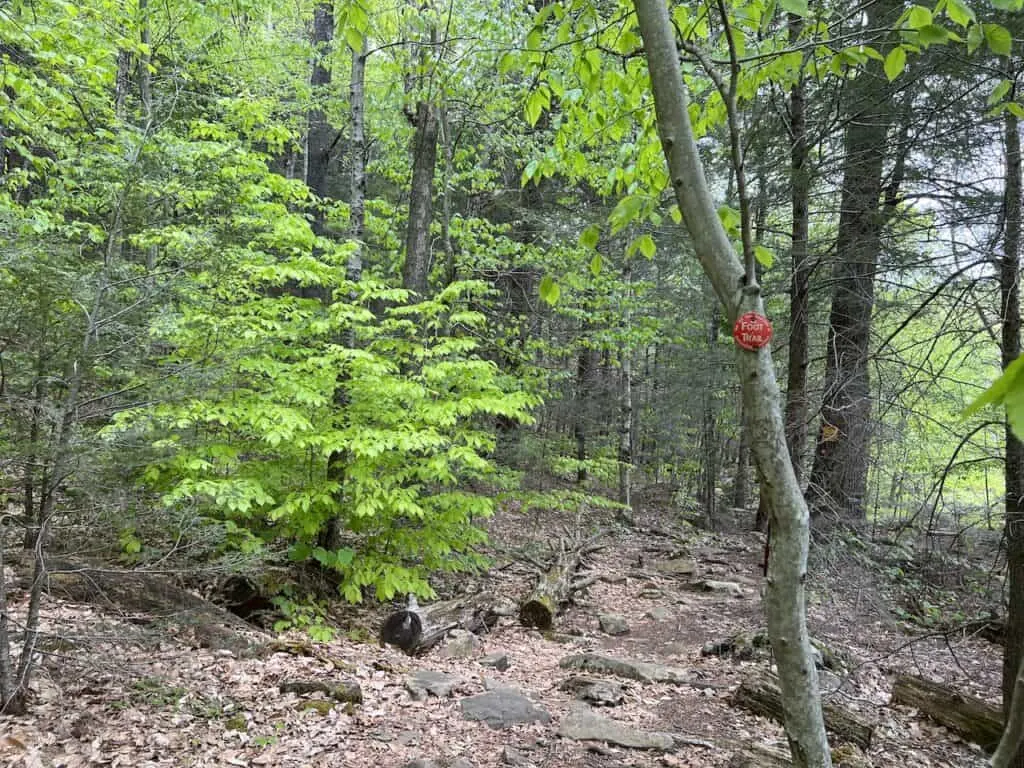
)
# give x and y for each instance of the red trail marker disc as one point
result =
(752, 331)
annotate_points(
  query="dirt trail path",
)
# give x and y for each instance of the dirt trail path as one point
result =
(115, 694)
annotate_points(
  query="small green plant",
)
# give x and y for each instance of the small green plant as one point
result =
(309, 615)
(264, 741)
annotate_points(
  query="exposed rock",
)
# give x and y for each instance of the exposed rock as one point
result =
(632, 670)
(613, 624)
(461, 644)
(659, 613)
(345, 691)
(680, 566)
(427, 681)
(502, 707)
(512, 756)
(462, 762)
(583, 725)
(730, 588)
(498, 661)
(651, 593)
(409, 738)
(421, 762)
(601, 693)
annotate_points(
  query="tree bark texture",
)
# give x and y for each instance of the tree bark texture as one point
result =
(965, 715)
(421, 200)
(1009, 310)
(318, 131)
(839, 476)
(357, 192)
(1013, 733)
(799, 294)
(784, 595)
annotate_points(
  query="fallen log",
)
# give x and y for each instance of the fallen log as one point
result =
(761, 695)
(416, 629)
(556, 584)
(966, 715)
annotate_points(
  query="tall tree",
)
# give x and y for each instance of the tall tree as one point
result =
(738, 290)
(838, 482)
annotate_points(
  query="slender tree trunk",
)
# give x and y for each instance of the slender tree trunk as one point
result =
(709, 427)
(584, 373)
(144, 79)
(626, 408)
(1009, 290)
(738, 292)
(799, 293)
(421, 199)
(839, 476)
(357, 203)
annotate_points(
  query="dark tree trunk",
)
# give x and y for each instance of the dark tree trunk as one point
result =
(796, 375)
(421, 199)
(584, 376)
(839, 475)
(709, 428)
(1009, 290)
(319, 133)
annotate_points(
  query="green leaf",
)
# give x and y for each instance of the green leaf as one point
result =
(998, 39)
(797, 7)
(999, 92)
(595, 265)
(1000, 388)
(730, 219)
(765, 257)
(354, 38)
(895, 62)
(549, 290)
(1006, 5)
(959, 12)
(590, 236)
(918, 16)
(529, 171)
(932, 34)
(975, 36)
(647, 246)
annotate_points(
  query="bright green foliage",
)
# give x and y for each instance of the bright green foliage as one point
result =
(1008, 391)
(251, 447)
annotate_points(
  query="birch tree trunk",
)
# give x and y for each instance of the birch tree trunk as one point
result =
(784, 592)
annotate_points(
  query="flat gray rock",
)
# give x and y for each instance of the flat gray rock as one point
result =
(582, 725)
(502, 707)
(498, 661)
(659, 613)
(613, 624)
(730, 588)
(428, 682)
(512, 756)
(680, 566)
(462, 762)
(631, 670)
(461, 644)
(600, 693)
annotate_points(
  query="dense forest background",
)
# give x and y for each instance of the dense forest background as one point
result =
(326, 282)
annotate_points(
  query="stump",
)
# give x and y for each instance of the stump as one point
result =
(555, 585)
(965, 715)
(762, 696)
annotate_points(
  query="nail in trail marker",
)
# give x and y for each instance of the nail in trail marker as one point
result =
(752, 331)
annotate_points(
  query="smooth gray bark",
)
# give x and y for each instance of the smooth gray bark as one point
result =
(784, 593)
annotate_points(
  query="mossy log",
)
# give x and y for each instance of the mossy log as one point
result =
(416, 629)
(761, 695)
(967, 716)
(556, 583)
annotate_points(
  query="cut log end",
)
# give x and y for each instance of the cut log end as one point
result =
(402, 629)
(537, 613)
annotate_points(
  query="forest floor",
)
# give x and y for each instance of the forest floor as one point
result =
(114, 691)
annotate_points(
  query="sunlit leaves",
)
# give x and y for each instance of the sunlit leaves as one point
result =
(998, 39)
(549, 290)
(1007, 390)
(895, 62)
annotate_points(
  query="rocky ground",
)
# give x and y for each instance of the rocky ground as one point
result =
(114, 691)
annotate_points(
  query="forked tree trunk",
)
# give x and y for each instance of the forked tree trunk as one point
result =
(784, 594)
